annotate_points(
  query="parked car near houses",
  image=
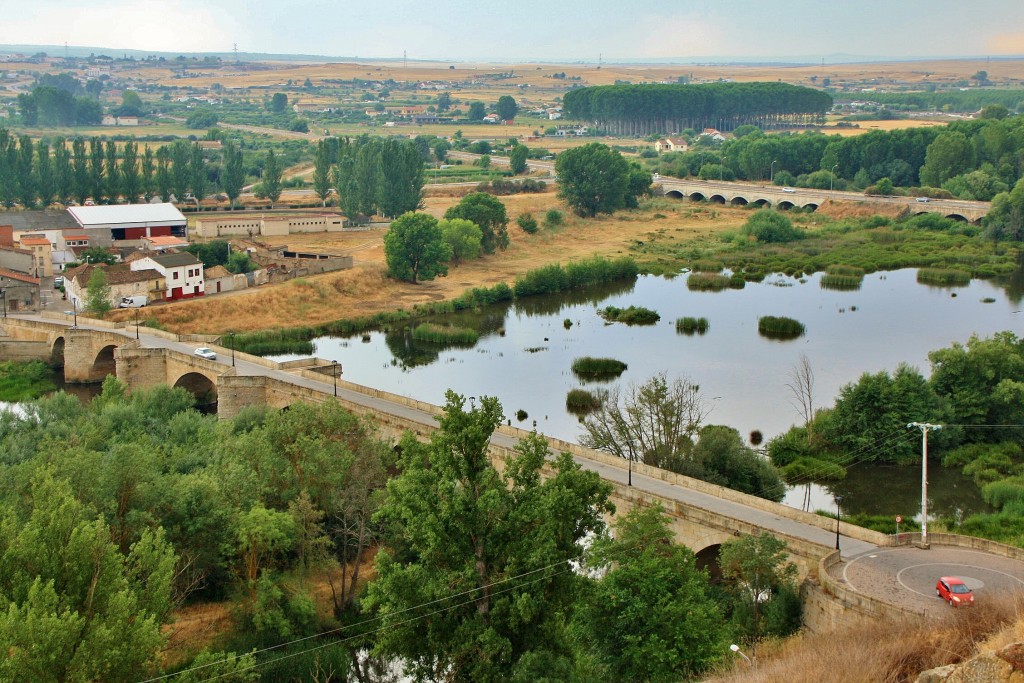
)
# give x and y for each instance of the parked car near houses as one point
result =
(133, 301)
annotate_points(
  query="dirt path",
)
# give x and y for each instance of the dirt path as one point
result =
(366, 290)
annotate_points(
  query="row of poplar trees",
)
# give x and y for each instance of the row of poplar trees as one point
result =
(663, 109)
(372, 175)
(35, 175)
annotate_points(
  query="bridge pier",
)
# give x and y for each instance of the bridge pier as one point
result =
(139, 368)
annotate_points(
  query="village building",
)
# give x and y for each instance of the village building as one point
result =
(107, 225)
(671, 145)
(182, 274)
(19, 292)
(122, 279)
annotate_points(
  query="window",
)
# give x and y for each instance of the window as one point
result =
(175, 275)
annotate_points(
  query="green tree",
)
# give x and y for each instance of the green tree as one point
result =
(651, 616)
(444, 101)
(98, 255)
(111, 173)
(180, 169)
(272, 178)
(460, 530)
(97, 293)
(489, 214)
(26, 175)
(592, 179)
(770, 226)
(63, 173)
(949, 155)
(47, 181)
(164, 180)
(507, 108)
(147, 178)
(233, 177)
(82, 185)
(440, 150)
(1005, 219)
(414, 248)
(131, 180)
(463, 238)
(322, 172)
(197, 174)
(279, 103)
(74, 607)
(476, 111)
(517, 159)
(761, 573)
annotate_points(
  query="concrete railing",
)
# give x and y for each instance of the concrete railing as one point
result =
(958, 541)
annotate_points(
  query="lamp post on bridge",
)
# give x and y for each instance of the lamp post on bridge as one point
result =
(74, 308)
(832, 178)
(3, 295)
(136, 324)
(771, 173)
(839, 500)
(334, 374)
(721, 169)
(231, 339)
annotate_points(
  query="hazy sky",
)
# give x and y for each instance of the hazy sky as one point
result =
(524, 30)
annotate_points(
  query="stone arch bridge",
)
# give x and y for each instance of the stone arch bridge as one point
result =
(748, 194)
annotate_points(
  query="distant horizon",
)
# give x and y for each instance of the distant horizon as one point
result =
(83, 51)
(532, 31)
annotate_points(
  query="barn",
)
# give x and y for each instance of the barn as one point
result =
(115, 224)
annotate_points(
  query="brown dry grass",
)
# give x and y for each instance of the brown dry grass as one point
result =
(880, 651)
(366, 289)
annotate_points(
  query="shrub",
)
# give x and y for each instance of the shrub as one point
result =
(948, 277)
(444, 334)
(770, 226)
(588, 367)
(841, 282)
(527, 222)
(707, 281)
(581, 402)
(553, 218)
(779, 327)
(692, 325)
(521, 415)
(556, 278)
(707, 266)
(634, 315)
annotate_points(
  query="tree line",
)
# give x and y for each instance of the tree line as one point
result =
(117, 513)
(34, 175)
(372, 175)
(663, 109)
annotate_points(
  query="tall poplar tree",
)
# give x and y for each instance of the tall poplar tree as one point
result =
(44, 175)
(272, 178)
(322, 172)
(233, 177)
(131, 181)
(63, 174)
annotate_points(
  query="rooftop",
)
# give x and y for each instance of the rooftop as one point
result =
(126, 213)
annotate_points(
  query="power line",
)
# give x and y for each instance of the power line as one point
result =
(378, 618)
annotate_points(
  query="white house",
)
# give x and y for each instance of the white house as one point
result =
(671, 145)
(182, 272)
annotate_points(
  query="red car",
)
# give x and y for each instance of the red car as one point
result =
(954, 591)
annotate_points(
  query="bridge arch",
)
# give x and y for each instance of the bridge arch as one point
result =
(763, 203)
(785, 205)
(57, 352)
(717, 199)
(810, 206)
(697, 197)
(708, 560)
(200, 386)
(675, 194)
(739, 200)
(957, 217)
(104, 363)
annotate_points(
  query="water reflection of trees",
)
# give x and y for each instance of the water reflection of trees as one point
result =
(553, 303)
(411, 353)
(1014, 282)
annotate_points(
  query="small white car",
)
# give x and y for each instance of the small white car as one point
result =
(788, 189)
(923, 199)
(208, 354)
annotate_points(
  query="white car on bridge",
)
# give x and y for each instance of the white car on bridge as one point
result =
(208, 354)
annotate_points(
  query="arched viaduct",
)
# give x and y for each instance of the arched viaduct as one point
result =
(744, 194)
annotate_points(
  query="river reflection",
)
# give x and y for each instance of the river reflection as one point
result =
(525, 351)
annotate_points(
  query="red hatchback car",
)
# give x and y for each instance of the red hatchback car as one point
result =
(954, 591)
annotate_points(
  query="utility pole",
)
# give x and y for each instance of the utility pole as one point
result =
(924, 427)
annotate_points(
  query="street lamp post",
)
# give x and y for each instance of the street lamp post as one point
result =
(74, 307)
(231, 338)
(832, 177)
(721, 169)
(771, 173)
(136, 323)
(924, 427)
(839, 500)
(3, 295)
(334, 373)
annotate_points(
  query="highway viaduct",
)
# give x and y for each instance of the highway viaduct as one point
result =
(703, 516)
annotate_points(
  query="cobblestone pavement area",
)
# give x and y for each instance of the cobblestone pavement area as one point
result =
(907, 576)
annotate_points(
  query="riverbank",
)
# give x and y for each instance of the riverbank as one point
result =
(25, 381)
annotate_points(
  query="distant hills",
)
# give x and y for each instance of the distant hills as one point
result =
(795, 60)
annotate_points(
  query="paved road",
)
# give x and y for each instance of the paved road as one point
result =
(907, 576)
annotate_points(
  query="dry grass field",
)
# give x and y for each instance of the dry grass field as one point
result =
(365, 289)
